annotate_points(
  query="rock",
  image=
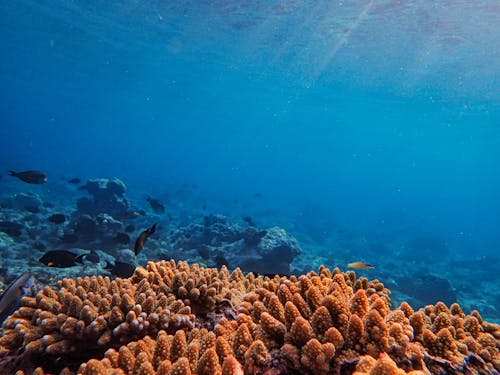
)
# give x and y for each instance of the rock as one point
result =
(107, 224)
(107, 197)
(252, 249)
(26, 201)
(275, 251)
(427, 289)
(86, 225)
(11, 228)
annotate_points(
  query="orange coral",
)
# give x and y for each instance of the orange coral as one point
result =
(172, 318)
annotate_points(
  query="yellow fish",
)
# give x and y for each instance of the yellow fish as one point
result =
(360, 266)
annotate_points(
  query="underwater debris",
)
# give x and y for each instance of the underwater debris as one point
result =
(141, 240)
(30, 177)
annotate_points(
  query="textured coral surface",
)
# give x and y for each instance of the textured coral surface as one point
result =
(178, 319)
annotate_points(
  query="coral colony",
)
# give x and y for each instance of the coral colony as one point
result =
(179, 319)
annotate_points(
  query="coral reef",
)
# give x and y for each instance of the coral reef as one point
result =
(269, 250)
(172, 318)
(108, 196)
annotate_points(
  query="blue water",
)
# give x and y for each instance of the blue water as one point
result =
(376, 118)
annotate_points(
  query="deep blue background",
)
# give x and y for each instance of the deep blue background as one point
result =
(383, 117)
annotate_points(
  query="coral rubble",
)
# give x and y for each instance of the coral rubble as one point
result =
(173, 318)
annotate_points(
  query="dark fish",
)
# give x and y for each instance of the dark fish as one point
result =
(92, 257)
(122, 238)
(121, 269)
(155, 204)
(248, 220)
(30, 177)
(57, 218)
(257, 195)
(141, 240)
(10, 298)
(61, 258)
(68, 238)
(75, 181)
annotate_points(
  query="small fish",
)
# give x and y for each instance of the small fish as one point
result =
(121, 269)
(360, 266)
(57, 218)
(30, 177)
(155, 204)
(10, 298)
(141, 240)
(248, 220)
(74, 181)
(122, 238)
(61, 258)
(92, 257)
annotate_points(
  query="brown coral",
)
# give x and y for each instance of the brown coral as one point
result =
(172, 318)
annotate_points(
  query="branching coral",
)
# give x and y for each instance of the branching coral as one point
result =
(173, 318)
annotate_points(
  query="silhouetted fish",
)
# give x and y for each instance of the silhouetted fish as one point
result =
(61, 258)
(57, 218)
(360, 266)
(30, 177)
(155, 204)
(121, 269)
(122, 238)
(92, 257)
(141, 240)
(74, 181)
(10, 298)
(248, 220)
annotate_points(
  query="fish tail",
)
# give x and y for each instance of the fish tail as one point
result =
(79, 258)
(12, 173)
